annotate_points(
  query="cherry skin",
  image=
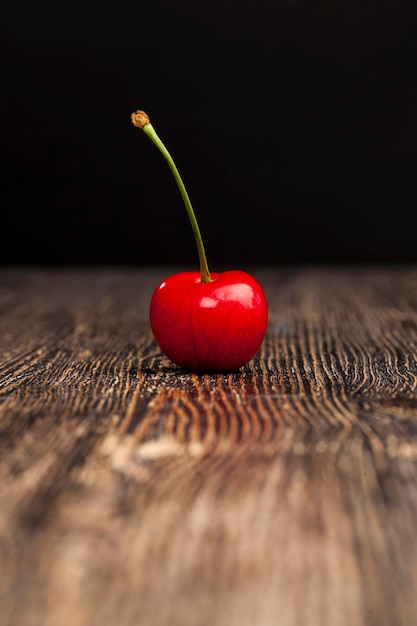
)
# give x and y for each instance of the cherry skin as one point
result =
(217, 325)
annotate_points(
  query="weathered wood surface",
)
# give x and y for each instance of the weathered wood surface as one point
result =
(132, 493)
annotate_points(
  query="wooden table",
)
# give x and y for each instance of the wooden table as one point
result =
(132, 493)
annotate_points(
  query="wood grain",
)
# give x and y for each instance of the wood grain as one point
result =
(133, 493)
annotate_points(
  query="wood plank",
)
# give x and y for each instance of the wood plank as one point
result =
(132, 492)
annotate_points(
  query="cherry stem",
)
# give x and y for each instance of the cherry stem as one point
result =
(141, 120)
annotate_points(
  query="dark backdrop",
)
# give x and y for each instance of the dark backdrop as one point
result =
(294, 124)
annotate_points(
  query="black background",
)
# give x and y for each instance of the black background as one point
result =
(293, 123)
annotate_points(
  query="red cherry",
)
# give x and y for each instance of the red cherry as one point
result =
(203, 321)
(212, 326)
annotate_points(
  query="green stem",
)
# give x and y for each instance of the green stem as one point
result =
(152, 134)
